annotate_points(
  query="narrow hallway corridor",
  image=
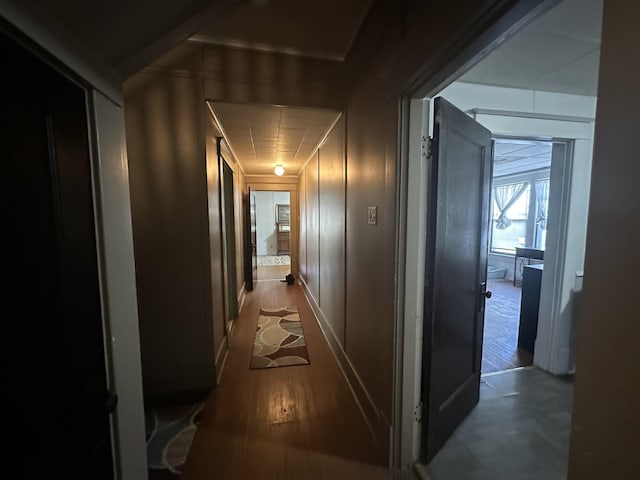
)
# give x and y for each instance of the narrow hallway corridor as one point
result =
(289, 422)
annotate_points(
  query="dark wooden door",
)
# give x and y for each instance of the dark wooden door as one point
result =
(456, 266)
(229, 243)
(56, 380)
(251, 246)
(254, 237)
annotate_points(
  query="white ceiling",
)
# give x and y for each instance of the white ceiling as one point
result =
(262, 135)
(512, 156)
(557, 52)
(323, 29)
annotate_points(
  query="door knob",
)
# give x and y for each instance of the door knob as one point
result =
(488, 294)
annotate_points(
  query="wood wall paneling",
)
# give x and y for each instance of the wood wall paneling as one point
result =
(605, 433)
(313, 228)
(303, 225)
(251, 76)
(332, 229)
(238, 190)
(214, 241)
(166, 154)
(370, 250)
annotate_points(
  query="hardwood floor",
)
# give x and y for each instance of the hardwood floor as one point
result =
(500, 342)
(298, 422)
(273, 272)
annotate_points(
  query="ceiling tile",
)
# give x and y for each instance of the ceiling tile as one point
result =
(261, 134)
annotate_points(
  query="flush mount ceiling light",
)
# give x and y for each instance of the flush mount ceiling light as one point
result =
(279, 170)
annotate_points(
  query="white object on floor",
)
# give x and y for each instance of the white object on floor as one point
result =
(269, 260)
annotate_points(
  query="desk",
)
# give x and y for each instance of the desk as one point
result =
(529, 307)
(530, 253)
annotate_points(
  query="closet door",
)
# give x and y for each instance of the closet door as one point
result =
(57, 379)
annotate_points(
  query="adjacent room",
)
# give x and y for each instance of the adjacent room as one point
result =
(536, 94)
(530, 106)
(273, 232)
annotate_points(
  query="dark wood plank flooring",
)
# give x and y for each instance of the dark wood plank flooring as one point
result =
(502, 315)
(298, 422)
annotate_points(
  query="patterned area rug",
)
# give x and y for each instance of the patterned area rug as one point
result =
(170, 432)
(279, 339)
(269, 260)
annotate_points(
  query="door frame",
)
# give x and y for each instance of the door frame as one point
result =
(112, 247)
(229, 239)
(501, 23)
(267, 184)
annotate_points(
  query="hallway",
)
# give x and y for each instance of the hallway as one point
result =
(286, 422)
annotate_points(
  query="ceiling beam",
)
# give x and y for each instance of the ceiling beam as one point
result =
(183, 29)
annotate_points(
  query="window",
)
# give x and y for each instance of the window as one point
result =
(519, 211)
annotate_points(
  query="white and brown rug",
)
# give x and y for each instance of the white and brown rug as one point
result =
(279, 340)
(170, 431)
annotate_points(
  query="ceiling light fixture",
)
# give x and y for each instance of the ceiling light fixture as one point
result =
(279, 170)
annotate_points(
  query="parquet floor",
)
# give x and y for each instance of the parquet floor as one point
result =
(298, 422)
(519, 431)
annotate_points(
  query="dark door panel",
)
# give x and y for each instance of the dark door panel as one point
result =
(251, 240)
(455, 282)
(57, 382)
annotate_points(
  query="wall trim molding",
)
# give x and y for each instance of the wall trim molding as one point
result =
(376, 423)
(221, 359)
(242, 296)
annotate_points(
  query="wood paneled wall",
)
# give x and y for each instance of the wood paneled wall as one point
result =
(398, 45)
(322, 185)
(606, 423)
(313, 227)
(370, 254)
(331, 221)
(166, 150)
(214, 301)
(302, 256)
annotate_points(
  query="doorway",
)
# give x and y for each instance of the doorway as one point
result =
(273, 234)
(517, 237)
(228, 239)
(510, 111)
(58, 388)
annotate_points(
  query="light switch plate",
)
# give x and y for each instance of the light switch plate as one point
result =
(372, 215)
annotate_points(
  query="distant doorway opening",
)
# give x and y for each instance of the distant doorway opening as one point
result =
(273, 234)
(519, 212)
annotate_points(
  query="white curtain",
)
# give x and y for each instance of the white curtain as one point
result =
(542, 203)
(505, 196)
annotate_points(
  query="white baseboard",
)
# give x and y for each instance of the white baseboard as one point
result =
(221, 360)
(242, 297)
(562, 363)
